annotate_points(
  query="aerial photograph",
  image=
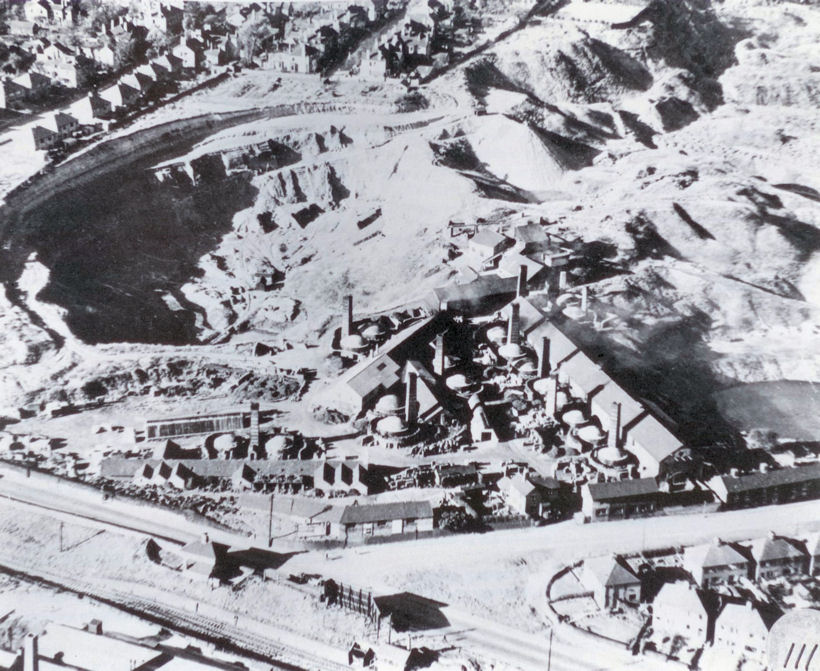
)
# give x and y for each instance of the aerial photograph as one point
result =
(460, 335)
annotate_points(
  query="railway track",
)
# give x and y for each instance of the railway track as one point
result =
(235, 638)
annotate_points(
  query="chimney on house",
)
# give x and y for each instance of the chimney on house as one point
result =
(31, 655)
(544, 357)
(254, 427)
(521, 289)
(349, 310)
(439, 362)
(410, 403)
(614, 426)
(514, 325)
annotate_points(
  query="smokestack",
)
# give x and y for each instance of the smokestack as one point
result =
(614, 426)
(585, 299)
(439, 363)
(349, 310)
(552, 396)
(521, 290)
(254, 426)
(31, 657)
(562, 280)
(514, 326)
(544, 358)
(410, 404)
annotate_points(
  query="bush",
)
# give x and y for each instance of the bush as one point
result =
(412, 102)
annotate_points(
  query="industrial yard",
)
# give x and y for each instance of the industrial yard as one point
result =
(399, 335)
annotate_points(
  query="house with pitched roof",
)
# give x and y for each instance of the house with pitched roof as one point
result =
(716, 563)
(486, 246)
(521, 494)
(360, 522)
(620, 499)
(776, 556)
(611, 581)
(681, 609)
(744, 627)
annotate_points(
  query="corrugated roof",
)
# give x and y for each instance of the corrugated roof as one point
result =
(622, 489)
(385, 512)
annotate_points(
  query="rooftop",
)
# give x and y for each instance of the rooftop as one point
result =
(712, 554)
(386, 512)
(782, 476)
(611, 571)
(622, 489)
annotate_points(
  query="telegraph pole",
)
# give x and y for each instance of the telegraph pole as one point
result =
(270, 522)
(61, 536)
(549, 653)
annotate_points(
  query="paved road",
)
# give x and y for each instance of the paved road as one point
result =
(379, 565)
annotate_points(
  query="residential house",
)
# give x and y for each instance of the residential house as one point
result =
(90, 109)
(716, 563)
(54, 130)
(38, 11)
(681, 609)
(744, 627)
(10, 92)
(611, 581)
(139, 81)
(43, 138)
(33, 85)
(486, 246)
(782, 485)
(120, 96)
(360, 522)
(521, 494)
(776, 556)
(203, 558)
(290, 57)
(620, 499)
(170, 64)
(56, 51)
(191, 52)
(530, 238)
(104, 56)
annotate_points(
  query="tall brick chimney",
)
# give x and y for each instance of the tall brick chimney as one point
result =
(521, 289)
(614, 426)
(31, 655)
(585, 299)
(254, 427)
(544, 357)
(552, 395)
(439, 362)
(410, 403)
(514, 325)
(349, 311)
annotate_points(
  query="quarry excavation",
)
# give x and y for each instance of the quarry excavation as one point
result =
(409, 334)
